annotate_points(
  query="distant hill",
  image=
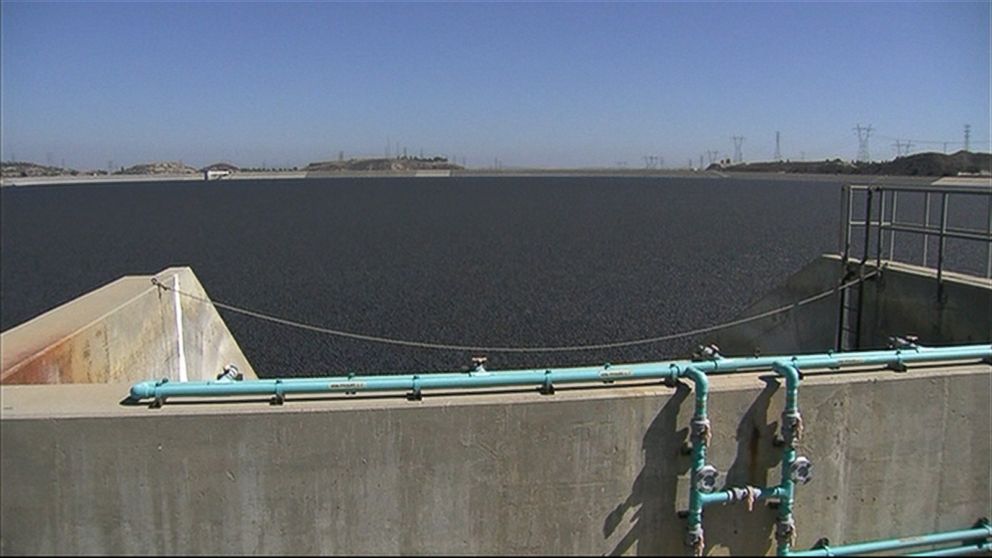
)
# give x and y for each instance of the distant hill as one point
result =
(400, 164)
(17, 169)
(919, 164)
(159, 167)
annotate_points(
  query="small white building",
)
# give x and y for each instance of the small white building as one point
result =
(215, 174)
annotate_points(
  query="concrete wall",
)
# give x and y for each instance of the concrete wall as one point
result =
(123, 332)
(584, 471)
(903, 300)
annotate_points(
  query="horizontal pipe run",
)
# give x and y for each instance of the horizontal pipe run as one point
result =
(976, 534)
(536, 378)
(967, 550)
(730, 495)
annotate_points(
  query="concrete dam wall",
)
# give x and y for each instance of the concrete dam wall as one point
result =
(596, 470)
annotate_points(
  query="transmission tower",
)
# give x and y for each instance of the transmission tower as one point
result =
(738, 153)
(967, 137)
(864, 133)
(778, 146)
(711, 155)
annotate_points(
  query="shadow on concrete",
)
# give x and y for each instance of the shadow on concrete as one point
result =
(732, 526)
(656, 528)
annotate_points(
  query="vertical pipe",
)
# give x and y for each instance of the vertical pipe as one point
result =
(792, 426)
(700, 432)
(943, 239)
(892, 221)
(926, 225)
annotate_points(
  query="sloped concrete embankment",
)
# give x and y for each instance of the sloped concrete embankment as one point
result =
(901, 300)
(126, 331)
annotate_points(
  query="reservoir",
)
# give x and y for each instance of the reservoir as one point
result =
(492, 261)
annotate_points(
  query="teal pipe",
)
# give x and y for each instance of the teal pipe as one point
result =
(700, 430)
(785, 527)
(969, 550)
(731, 495)
(160, 390)
(975, 538)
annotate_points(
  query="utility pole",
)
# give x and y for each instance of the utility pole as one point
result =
(778, 147)
(864, 133)
(738, 153)
(967, 137)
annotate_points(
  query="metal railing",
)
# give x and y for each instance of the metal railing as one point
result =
(881, 222)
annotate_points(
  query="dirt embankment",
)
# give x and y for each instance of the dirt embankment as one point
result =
(920, 164)
(398, 164)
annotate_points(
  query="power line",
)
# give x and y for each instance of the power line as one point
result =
(738, 152)
(864, 134)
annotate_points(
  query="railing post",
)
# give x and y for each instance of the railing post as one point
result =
(861, 267)
(881, 228)
(942, 240)
(988, 256)
(926, 225)
(892, 232)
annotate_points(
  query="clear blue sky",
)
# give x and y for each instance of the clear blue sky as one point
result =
(556, 84)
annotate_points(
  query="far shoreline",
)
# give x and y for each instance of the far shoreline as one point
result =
(481, 173)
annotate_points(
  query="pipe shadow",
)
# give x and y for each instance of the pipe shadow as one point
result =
(732, 526)
(655, 528)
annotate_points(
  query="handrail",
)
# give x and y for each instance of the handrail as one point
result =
(973, 540)
(546, 378)
(882, 224)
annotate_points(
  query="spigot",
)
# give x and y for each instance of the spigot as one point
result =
(230, 374)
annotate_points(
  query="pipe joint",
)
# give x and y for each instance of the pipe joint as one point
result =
(701, 432)
(792, 428)
(747, 494)
(785, 531)
(694, 539)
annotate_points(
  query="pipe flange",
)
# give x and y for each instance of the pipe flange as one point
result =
(706, 479)
(801, 470)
